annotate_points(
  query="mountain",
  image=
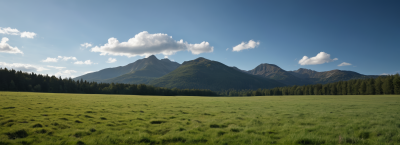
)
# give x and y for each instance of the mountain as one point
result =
(202, 73)
(327, 76)
(274, 72)
(141, 71)
(235, 68)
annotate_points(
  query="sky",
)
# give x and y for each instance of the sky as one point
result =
(72, 38)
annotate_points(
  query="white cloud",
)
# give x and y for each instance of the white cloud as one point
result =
(22, 67)
(321, 58)
(384, 74)
(203, 47)
(86, 45)
(65, 73)
(6, 48)
(28, 34)
(88, 62)
(49, 59)
(166, 56)
(11, 31)
(227, 49)
(111, 60)
(344, 64)
(59, 68)
(65, 58)
(250, 45)
(145, 44)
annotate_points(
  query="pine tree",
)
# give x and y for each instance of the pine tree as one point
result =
(363, 88)
(344, 88)
(378, 86)
(37, 88)
(349, 89)
(339, 88)
(396, 84)
(333, 90)
(370, 87)
(356, 87)
(12, 86)
(387, 85)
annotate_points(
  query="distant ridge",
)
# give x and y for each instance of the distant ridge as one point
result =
(202, 73)
(140, 71)
(327, 76)
(274, 72)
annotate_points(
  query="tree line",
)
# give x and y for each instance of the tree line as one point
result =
(371, 86)
(11, 80)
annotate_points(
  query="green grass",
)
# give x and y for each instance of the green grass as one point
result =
(46, 118)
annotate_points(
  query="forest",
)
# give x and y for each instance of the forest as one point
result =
(382, 85)
(11, 80)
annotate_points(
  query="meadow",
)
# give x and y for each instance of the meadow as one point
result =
(49, 118)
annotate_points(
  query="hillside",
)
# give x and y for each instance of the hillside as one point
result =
(327, 76)
(274, 72)
(141, 71)
(202, 73)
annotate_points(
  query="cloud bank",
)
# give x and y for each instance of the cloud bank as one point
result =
(6, 48)
(11, 31)
(22, 67)
(242, 46)
(145, 44)
(344, 64)
(321, 58)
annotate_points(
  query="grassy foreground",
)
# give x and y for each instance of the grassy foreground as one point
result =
(46, 118)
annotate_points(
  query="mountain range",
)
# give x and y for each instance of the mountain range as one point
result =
(141, 71)
(202, 73)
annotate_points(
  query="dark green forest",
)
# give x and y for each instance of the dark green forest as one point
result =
(11, 80)
(382, 85)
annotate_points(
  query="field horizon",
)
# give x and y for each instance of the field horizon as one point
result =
(61, 118)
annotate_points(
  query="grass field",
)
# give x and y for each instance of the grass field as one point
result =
(46, 118)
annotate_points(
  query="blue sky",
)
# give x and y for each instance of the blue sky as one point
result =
(46, 36)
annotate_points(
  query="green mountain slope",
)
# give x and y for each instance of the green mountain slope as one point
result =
(154, 69)
(202, 73)
(141, 71)
(274, 72)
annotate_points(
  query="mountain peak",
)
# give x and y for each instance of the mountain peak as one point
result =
(268, 65)
(152, 57)
(304, 70)
(166, 59)
(200, 59)
(197, 60)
